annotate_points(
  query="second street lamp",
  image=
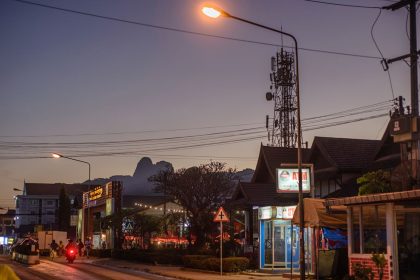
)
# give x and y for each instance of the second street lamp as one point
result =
(214, 12)
(55, 155)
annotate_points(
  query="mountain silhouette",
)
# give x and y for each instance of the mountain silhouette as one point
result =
(138, 184)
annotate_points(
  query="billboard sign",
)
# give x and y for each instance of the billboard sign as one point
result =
(288, 179)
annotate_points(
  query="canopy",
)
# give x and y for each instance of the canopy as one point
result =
(316, 214)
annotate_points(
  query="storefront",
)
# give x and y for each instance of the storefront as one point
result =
(98, 203)
(279, 240)
(387, 224)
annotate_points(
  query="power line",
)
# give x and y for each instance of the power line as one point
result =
(188, 31)
(126, 132)
(198, 145)
(379, 50)
(341, 5)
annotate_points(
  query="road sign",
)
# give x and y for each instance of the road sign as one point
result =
(221, 216)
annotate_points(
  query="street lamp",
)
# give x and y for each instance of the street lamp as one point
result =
(55, 155)
(215, 12)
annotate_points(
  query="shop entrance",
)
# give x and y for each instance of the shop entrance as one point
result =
(280, 243)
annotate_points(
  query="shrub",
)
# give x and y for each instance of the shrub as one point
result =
(149, 256)
(206, 262)
(194, 261)
(211, 264)
(235, 264)
(360, 272)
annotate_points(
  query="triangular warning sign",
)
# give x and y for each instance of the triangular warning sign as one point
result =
(129, 226)
(221, 216)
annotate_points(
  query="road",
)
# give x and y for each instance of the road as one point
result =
(60, 270)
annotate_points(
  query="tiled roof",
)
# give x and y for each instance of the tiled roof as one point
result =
(273, 157)
(346, 153)
(54, 189)
(265, 195)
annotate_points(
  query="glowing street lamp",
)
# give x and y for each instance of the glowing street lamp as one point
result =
(215, 12)
(55, 155)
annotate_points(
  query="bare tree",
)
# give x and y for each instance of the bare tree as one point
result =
(200, 190)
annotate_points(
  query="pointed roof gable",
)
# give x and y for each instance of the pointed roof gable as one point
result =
(257, 194)
(345, 153)
(271, 158)
(388, 153)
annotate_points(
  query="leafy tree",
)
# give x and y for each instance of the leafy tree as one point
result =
(199, 190)
(64, 210)
(374, 182)
(115, 221)
(146, 225)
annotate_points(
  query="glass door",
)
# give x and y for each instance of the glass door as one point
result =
(279, 243)
(268, 243)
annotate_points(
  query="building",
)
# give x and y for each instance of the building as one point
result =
(100, 202)
(388, 224)
(7, 227)
(268, 228)
(37, 206)
(337, 163)
(173, 233)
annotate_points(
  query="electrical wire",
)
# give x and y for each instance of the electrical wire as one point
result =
(126, 132)
(342, 5)
(188, 31)
(132, 147)
(380, 52)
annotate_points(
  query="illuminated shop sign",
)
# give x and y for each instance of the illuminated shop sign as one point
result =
(288, 180)
(272, 212)
(265, 213)
(285, 212)
(97, 193)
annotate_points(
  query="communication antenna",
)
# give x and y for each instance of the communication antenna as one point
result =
(283, 129)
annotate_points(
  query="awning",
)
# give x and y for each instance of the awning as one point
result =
(375, 198)
(316, 214)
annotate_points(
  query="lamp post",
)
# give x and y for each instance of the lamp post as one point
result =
(215, 13)
(55, 155)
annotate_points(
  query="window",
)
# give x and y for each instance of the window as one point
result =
(33, 202)
(50, 202)
(373, 227)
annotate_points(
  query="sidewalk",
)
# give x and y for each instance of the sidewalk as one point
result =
(178, 272)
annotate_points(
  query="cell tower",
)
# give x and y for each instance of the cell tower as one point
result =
(283, 130)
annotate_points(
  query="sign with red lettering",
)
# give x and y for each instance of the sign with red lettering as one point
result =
(288, 180)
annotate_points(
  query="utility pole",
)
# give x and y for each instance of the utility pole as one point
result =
(414, 120)
(413, 51)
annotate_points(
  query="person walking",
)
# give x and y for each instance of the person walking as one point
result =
(60, 248)
(80, 247)
(88, 246)
(53, 249)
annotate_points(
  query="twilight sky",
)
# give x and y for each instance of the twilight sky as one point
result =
(113, 92)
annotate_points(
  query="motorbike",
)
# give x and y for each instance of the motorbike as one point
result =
(71, 254)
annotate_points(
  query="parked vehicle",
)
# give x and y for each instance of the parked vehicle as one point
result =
(26, 251)
(45, 239)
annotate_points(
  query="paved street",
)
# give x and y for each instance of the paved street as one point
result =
(118, 269)
(60, 270)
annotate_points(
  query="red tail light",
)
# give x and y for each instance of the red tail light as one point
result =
(71, 252)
